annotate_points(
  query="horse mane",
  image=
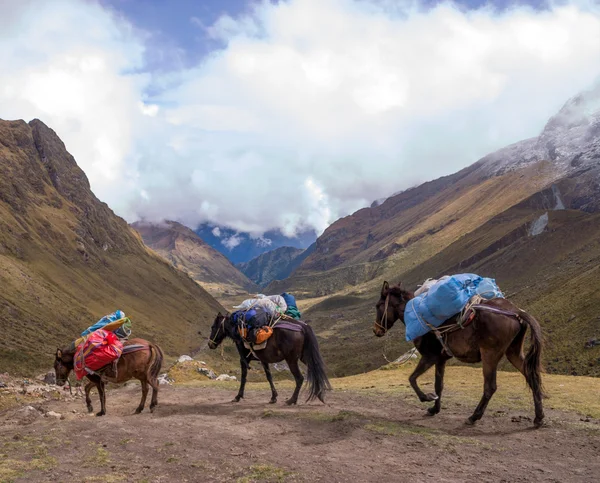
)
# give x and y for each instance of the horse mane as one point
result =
(398, 291)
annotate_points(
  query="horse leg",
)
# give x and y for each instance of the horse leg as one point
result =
(295, 370)
(490, 360)
(423, 365)
(270, 379)
(102, 393)
(514, 354)
(140, 408)
(440, 368)
(240, 393)
(154, 400)
(88, 399)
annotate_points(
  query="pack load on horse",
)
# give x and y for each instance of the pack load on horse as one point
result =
(480, 325)
(122, 330)
(256, 317)
(292, 309)
(271, 337)
(438, 300)
(103, 354)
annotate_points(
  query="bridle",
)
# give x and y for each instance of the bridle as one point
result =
(221, 327)
(385, 317)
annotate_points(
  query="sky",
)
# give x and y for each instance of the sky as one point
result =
(262, 115)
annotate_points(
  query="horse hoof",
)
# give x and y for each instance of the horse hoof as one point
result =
(101, 413)
(429, 397)
(236, 399)
(90, 409)
(290, 402)
(272, 401)
(138, 411)
(432, 411)
(151, 409)
(470, 422)
(538, 423)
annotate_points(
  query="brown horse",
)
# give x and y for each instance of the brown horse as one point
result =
(297, 343)
(498, 328)
(142, 361)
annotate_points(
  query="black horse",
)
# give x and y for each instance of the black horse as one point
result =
(296, 342)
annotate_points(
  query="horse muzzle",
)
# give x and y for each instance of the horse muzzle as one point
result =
(378, 330)
(212, 345)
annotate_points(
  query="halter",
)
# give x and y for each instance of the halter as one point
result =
(385, 317)
(222, 326)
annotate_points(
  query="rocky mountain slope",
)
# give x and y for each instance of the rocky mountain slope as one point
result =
(66, 259)
(527, 215)
(189, 253)
(277, 264)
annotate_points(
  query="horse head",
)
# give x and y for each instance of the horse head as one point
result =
(63, 365)
(218, 331)
(390, 307)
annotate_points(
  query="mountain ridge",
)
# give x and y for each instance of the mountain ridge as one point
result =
(66, 259)
(182, 247)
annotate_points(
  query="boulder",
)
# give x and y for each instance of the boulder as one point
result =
(50, 378)
(226, 377)
(164, 379)
(184, 358)
(207, 372)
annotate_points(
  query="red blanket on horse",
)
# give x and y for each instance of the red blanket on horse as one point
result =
(97, 351)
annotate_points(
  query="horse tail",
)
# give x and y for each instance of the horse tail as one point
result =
(156, 360)
(533, 359)
(316, 377)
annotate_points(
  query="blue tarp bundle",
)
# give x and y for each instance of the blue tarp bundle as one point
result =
(444, 300)
(117, 315)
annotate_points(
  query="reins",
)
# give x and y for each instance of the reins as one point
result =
(384, 325)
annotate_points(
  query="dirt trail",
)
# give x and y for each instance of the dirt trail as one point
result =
(197, 435)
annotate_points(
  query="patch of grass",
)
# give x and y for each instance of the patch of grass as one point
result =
(172, 459)
(464, 385)
(99, 457)
(108, 478)
(434, 436)
(126, 441)
(267, 473)
(10, 469)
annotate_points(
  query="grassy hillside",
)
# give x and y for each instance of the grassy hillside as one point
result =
(66, 260)
(553, 275)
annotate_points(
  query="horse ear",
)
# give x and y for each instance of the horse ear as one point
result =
(58, 354)
(385, 289)
(401, 285)
(219, 314)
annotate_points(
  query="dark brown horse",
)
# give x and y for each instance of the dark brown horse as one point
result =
(143, 363)
(284, 344)
(498, 329)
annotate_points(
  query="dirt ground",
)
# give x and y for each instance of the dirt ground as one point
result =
(198, 435)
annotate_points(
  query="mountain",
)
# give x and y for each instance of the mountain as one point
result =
(527, 215)
(242, 247)
(189, 253)
(66, 260)
(277, 264)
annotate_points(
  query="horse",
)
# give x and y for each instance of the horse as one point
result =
(142, 361)
(498, 329)
(298, 342)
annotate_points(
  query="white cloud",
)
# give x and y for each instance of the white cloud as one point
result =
(232, 242)
(216, 231)
(311, 110)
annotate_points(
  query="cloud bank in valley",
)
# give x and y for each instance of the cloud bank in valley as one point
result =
(310, 109)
